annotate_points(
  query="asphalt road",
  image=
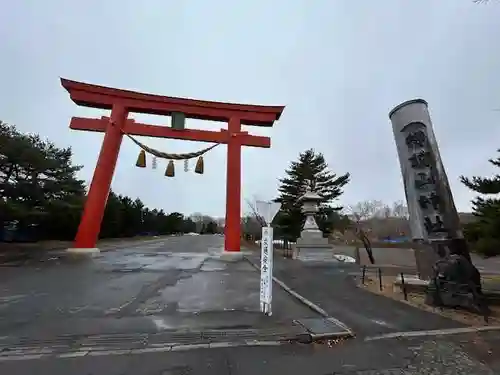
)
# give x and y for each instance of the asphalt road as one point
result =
(167, 284)
(413, 356)
(178, 284)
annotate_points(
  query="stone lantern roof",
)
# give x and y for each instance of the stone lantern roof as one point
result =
(310, 196)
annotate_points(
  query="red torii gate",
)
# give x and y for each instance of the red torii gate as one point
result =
(122, 102)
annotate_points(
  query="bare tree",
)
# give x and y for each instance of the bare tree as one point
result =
(380, 219)
(250, 226)
(359, 213)
(201, 220)
(366, 210)
(252, 222)
(252, 205)
(376, 219)
(400, 210)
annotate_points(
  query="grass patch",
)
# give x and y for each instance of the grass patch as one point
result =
(389, 290)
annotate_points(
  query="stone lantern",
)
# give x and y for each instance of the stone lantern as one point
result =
(311, 237)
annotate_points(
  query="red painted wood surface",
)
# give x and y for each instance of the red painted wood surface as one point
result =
(122, 102)
(134, 128)
(93, 210)
(95, 96)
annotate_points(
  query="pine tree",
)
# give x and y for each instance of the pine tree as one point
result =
(484, 234)
(41, 196)
(310, 169)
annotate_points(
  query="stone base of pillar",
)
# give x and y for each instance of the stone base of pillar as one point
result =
(90, 252)
(412, 284)
(305, 247)
(231, 256)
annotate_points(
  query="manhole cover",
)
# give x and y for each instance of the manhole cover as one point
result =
(322, 326)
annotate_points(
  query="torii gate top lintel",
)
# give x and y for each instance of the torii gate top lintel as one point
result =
(96, 96)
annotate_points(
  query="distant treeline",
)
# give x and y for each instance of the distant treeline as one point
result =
(42, 198)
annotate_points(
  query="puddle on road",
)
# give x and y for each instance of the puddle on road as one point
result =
(217, 321)
(213, 291)
(167, 261)
(213, 265)
(177, 262)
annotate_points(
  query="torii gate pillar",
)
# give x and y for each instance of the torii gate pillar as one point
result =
(123, 102)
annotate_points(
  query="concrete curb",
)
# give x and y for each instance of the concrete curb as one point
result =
(348, 332)
(435, 332)
(46, 353)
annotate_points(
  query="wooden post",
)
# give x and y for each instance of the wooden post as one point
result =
(233, 187)
(93, 211)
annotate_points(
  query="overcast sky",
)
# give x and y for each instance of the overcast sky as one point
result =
(339, 66)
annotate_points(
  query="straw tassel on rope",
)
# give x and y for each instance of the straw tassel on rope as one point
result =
(199, 166)
(141, 159)
(170, 171)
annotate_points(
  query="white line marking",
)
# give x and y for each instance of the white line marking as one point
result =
(80, 353)
(381, 322)
(435, 332)
(185, 347)
(263, 343)
(215, 345)
(159, 349)
(27, 357)
(114, 310)
(109, 352)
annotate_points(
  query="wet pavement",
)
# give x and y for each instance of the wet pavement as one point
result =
(412, 356)
(160, 290)
(172, 284)
(331, 285)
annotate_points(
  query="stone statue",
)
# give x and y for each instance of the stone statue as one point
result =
(456, 283)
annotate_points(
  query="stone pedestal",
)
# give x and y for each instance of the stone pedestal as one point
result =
(304, 245)
(411, 283)
(83, 252)
(426, 256)
(311, 237)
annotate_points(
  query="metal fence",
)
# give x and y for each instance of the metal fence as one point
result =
(439, 293)
(281, 245)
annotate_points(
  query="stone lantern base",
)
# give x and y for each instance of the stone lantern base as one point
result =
(311, 241)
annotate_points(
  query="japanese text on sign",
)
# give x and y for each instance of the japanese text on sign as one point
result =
(266, 265)
(422, 163)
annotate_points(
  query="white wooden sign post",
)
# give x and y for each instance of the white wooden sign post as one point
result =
(267, 210)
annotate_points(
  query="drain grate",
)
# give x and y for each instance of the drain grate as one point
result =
(67, 343)
(290, 332)
(114, 341)
(323, 327)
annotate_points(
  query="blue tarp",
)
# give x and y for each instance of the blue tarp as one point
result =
(396, 240)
